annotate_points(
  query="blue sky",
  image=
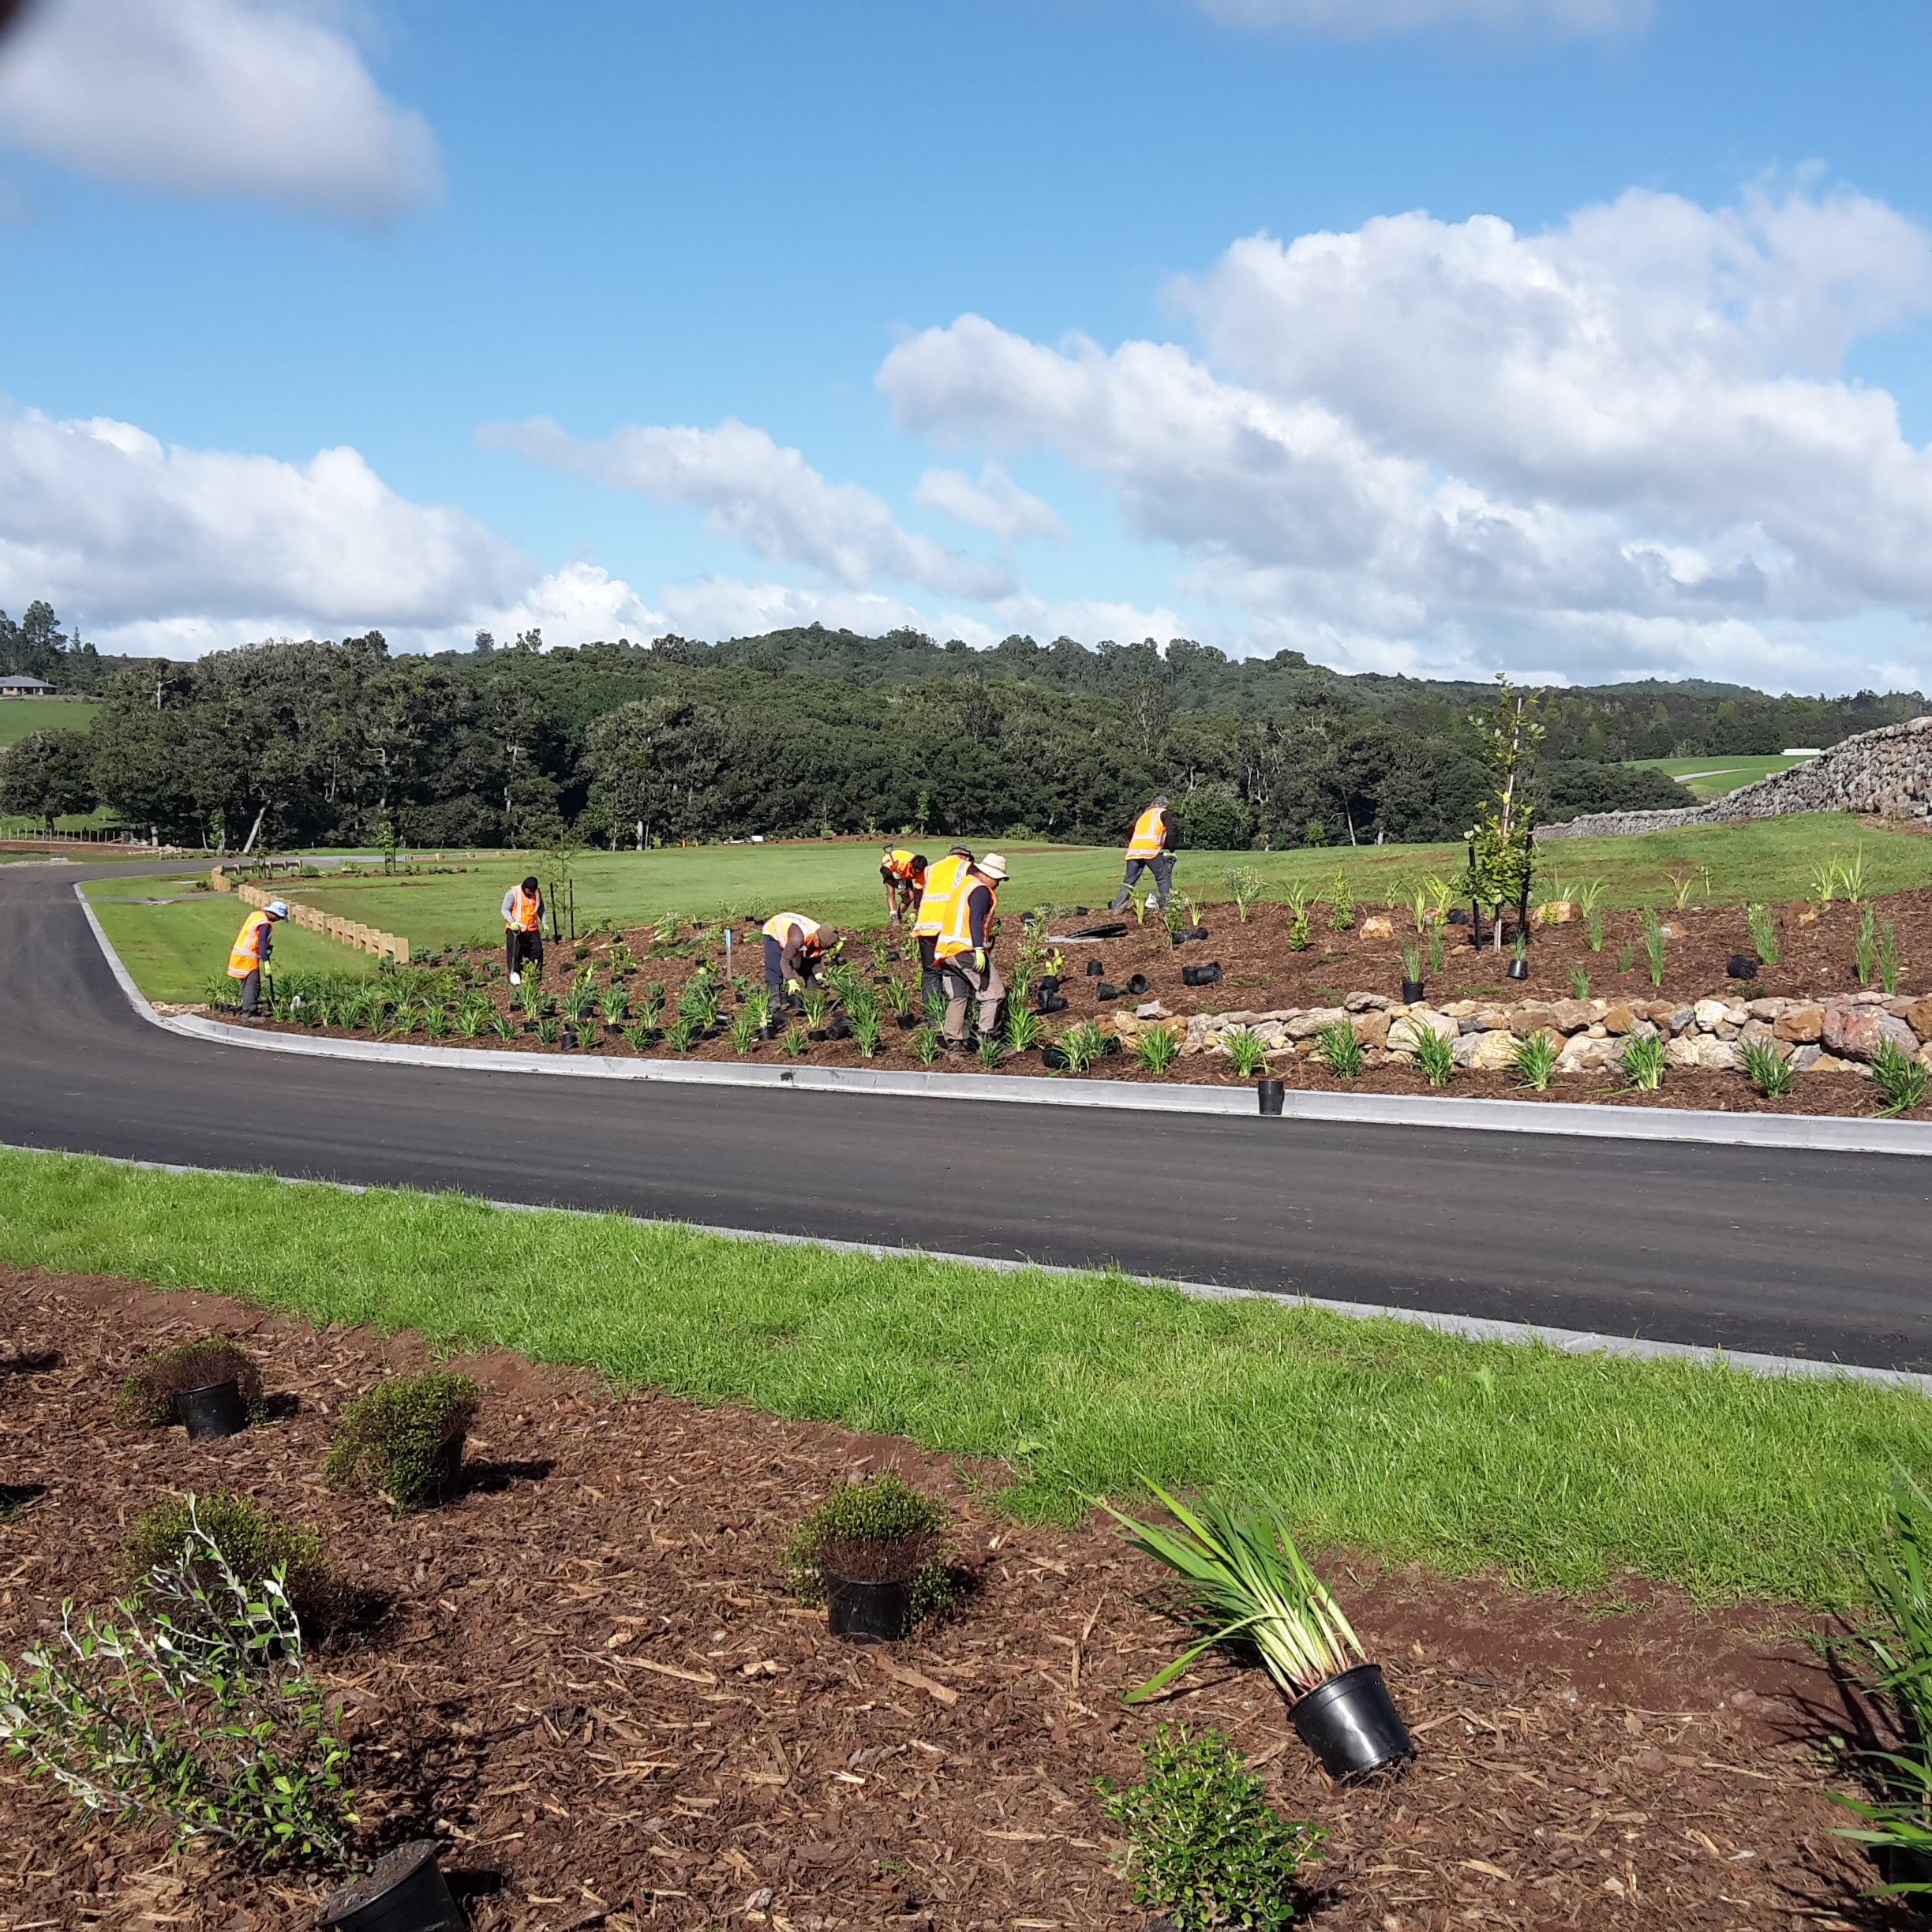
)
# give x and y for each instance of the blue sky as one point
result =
(650, 317)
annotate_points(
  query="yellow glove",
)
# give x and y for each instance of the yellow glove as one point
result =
(791, 985)
(979, 959)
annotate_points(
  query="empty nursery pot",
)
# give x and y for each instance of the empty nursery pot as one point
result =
(1519, 969)
(863, 1612)
(1352, 1725)
(818, 1033)
(769, 1032)
(1052, 1056)
(1094, 969)
(1081, 911)
(1106, 990)
(839, 1029)
(1412, 990)
(1052, 1002)
(215, 1410)
(1137, 985)
(1743, 966)
(905, 1021)
(1201, 975)
(405, 1892)
(1269, 1093)
(1458, 916)
(1049, 982)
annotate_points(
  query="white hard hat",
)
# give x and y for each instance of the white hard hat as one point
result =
(277, 909)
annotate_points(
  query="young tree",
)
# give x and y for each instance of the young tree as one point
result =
(1500, 853)
(48, 774)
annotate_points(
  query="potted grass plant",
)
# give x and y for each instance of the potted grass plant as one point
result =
(212, 1387)
(874, 1554)
(1245, 1581)
(1413, 987)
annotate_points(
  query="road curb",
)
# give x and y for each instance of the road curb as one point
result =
(1804, 1132)
(1462, 1328)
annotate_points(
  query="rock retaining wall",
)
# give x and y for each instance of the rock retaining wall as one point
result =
(1837, 1036)
(1887, 771)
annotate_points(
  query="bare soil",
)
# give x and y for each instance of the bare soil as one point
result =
(592, 1690)
(1259, 972)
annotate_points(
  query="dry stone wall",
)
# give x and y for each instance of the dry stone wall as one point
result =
(1888, 771)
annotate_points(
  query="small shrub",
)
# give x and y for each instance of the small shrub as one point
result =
(1435, 1056)
(878, 1529)
(1244, 887)
(1247, 1053)
(1156, 1050)
(1765, 1070)
(1205, 1848)
(1764, 932)
(1300, 938)
(147, 1397)
(1536, 1062)
(1643, 1061)
(403, 1439)
(192, 1710)
(256, 1545)
(1900, 1078)
(1338, 1050)
(1341, 905)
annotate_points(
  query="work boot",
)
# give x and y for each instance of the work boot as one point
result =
(953, 1045)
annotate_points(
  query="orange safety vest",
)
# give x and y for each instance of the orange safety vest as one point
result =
(957, 937)
(780, 924)
(900, 865)
(246, 954)
(1146, 834)
(527, 911)
(943, 879)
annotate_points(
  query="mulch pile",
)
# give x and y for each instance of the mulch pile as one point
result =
(591, 1689)
(1260, 973)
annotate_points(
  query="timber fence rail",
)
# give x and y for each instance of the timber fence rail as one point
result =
(363, 938)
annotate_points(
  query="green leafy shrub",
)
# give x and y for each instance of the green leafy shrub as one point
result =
(1247, 1052)
(192, 1709)
(1643, 1061)
(1765, 1069)
(1207, 1847)
(1536, 1062)
(1156, 1050)
(1338, 1050)
(1900, 1078)
(878, 1529)
(403, 1439)
(147, 1397)
(256, 1545)
(1436, 1057)
(1341, 905)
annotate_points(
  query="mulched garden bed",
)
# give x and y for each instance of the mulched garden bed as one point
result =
(1261, 973)
(591, 1688)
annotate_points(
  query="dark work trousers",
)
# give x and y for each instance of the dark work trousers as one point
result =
(932, 978)
(519, 946)
(1161, 865)
(251, 993)
(774, 967)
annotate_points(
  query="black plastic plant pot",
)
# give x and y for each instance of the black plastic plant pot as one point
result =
(405, 1892)
(767, 1033)
(1052, 1002)
(1201, 975)
(1094, 969)
(1106, 990)
(905, 1021)
(1458, 916)
(1137, 985)
(1269, 1093)
(1352, 1725)
(215, 1410)
(1743, 966)
(1412, 992)
(1518, 969)
(818, 1033)
(1053, 1056)
(1050, 981)
(862, 1612)
(839, 1029)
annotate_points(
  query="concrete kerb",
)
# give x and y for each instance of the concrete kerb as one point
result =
(1806, 1132)
(1466, 1328)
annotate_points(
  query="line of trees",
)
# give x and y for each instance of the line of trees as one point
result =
(804, 732)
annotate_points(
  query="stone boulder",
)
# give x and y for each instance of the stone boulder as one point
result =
(1857, 1032)
(1801, 1025)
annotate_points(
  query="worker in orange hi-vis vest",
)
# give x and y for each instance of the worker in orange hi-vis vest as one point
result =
(965, 950)
(903, 874)
(250, 953)
(522, 918)
(796, 948)
(943, 879)
(1151, 849)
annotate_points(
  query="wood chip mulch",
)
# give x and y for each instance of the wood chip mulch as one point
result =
(592, 1689)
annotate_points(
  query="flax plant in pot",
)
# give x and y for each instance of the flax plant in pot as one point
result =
(1244, 1580)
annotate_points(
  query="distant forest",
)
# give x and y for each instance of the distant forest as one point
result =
(803, 731)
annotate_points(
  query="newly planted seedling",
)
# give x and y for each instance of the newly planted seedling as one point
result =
(1654, 943)
(1766, 1068)
(1244, 885)
(1643, 1061)
(549, 1031)
(876, 1528)
(682, 1034)
(990, 1050)
(502, 1025)
(744, 1034)
(403, 1439)
(1900, 1078)
(614, 1006)
(1341, 905)
(1535, 1062)
(1865, 945)
(1156, 1050)
(639, 1035)
(1886, 960)
(1435, 949)
(1338, 1050)
(1412, 960)
(924, 1046)
(1579, 981)
(1247, 1052)
(1764, 932)
(817, 1002)
(1436, 1057)
(1081, 1046)
(865, 1031)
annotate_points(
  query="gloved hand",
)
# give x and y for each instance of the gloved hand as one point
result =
(979, 959)
(791, 985)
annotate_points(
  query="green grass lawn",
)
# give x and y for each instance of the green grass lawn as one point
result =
(1715, 774)
(171, 949)
(19, 716)
(1769, 859)
(1379, 1436)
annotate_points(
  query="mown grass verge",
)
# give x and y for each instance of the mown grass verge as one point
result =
(1379, 1436)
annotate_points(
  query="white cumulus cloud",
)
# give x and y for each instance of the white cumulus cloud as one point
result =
(994, 502)
(1362, 20)
(267, 99)
(1632, 432)
(765, 495)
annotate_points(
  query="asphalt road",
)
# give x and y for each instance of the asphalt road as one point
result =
(1782, 1252)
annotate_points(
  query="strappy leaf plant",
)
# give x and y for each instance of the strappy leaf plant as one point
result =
(1643, 1061)
(615, 1005)
(1579, 981)
(1764, 931)
(990, 1049)
(1244, 885)
(866, 1032)
(1412, 959)
(924, 1046)
(743, 1031)
(1535, 1062)
(502, 1025)
(1766, 1070)
(1245, 1581)
(1246, 1050)
(1080, 1045)
(1341, 905)
(1435, 1056)
(1338, 1048)
(640, 1036)
(1865, 945)
(1023, 1029)
(1654, 942)
(817, 1003)
(1156, 1050)
(1898, 1077)
(793, 1043)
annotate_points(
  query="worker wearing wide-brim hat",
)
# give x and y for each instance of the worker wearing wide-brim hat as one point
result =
(253, 946)
(945, 879)
(965, 950)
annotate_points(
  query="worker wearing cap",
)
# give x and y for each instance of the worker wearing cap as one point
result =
(903, 874)
(522, 918)
(796, 947)
(1151, 849)
(944, 881)
(965, 950)
(250, 953)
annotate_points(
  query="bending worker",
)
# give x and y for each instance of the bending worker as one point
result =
(522, 918)
(903, 874)
(943, 883)
(965, 950)
(796, 948)
(1151, 849)
(250, 953)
